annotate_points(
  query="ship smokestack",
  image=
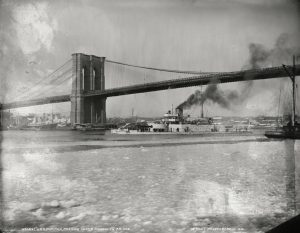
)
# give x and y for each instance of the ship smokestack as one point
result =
(179, 111)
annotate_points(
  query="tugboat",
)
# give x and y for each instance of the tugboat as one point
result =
(292, 130)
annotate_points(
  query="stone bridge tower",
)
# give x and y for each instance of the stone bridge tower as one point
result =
(87, 75)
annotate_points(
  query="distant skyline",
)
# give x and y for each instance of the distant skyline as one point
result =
(208, 35)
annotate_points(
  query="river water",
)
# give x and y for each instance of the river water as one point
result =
(80, 181)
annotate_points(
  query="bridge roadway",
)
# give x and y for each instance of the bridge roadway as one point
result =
(237, 76)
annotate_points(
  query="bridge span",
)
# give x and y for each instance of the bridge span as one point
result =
(238, 76)
(226, 77)
(88, 96)
(34, 102)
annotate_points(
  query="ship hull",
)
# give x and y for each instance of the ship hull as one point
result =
(282, 135)
(199, 133)
(40, 127)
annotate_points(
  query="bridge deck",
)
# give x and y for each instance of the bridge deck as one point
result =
(266, 73)
(26, 103)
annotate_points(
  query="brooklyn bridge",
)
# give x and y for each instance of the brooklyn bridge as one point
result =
(90, 80)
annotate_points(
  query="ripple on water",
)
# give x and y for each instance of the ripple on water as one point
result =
(171, 187)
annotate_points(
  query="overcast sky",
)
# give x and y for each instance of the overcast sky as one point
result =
(208, 35)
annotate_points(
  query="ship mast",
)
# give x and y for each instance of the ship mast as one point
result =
(292, 77)
(294, 93)
(202, 102)
(52, 114)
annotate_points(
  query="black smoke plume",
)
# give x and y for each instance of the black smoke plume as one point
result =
(259, 57)
(211, 93)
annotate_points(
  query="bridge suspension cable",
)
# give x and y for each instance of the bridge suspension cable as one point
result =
(50, 79)
(50, 89)
(53, 89)
(160, 69)
(120, 74)
(50, 75)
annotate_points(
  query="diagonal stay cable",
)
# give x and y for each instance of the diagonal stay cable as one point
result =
(37, 88)
(49, 92)
(44, 94)
(41, 88)
(45, 78)
(52, 84)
